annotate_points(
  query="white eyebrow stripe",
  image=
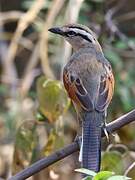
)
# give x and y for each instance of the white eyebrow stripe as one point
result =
(83, 32)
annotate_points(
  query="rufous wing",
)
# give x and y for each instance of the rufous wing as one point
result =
(77, 91)
(106, 90)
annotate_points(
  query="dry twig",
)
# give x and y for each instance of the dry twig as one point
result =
(129, 169)
(126, 17)
(110, 22)
(9, 16)
(52, 14)
(29, 73)
(3, 44)
(23, 23)
(112, 25)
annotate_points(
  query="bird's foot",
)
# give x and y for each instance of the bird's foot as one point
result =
(78, 139)
(106, 132)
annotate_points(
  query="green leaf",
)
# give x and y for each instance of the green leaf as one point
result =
(54, 142)
(119, 178)
(125, 97)
(103, 175)
(25, 144)
(3, 90)
(40, 116)
(52, 97)
(112, 161)
(87, 178)
(121, 45)
(114, 58)
(86, 171)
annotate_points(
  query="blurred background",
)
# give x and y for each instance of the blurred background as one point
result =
(36, 116)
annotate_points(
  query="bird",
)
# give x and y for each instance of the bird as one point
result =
(89, 82)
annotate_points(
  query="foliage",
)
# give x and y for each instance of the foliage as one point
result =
(52, 97)
(102, 175)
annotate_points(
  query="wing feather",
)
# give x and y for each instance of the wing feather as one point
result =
(77, 91)
(106, 90)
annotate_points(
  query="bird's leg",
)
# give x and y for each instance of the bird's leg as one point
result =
(104, 127)
(79, 138)
(105, 130)
(81, 147)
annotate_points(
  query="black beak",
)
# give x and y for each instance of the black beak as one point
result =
(56, 30)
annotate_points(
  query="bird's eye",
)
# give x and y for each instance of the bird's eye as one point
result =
(71, 33)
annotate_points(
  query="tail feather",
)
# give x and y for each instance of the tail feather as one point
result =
(91, 142)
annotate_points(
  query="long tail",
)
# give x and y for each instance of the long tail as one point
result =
(91, 142)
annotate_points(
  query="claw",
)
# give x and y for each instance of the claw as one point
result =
(113, 134)
(78, 139)
(106, 134)
(105, 131)
(104, 127)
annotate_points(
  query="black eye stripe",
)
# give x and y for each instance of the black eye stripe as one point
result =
(68, 34)
(84, 37)
(71, 33)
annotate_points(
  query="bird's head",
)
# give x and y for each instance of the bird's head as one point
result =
(79, 36)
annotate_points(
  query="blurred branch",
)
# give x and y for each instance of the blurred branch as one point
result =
(9, 16)
(33, 60)
(124, 53)
(52, 14)
(112, 25)
(129, 169)
(126, 17)
(3, 44)
(62, 153)
(29, 78)
(29, 73)
(110, 22)
(23, 23)
(24, 42)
